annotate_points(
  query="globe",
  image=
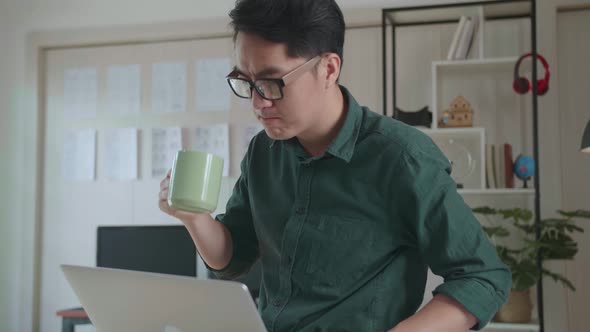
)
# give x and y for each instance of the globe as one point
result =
(524, 168)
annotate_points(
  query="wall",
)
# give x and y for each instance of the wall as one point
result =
(551, 189)
(8, 229)
(17, 135)
(573, 30)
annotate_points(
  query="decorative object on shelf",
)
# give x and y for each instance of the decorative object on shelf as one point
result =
(459, 114)
(524, 168)
(585, 147)
(421, 117)
(556, 243)
(461, 159)
(522, 85)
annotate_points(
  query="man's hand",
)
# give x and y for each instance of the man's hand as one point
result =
(163, 202)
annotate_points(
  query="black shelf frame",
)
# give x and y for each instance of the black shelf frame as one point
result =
(389, 23)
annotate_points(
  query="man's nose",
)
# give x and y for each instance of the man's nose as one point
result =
(258, 102)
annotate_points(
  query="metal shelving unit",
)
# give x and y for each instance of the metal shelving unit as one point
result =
(396, 17)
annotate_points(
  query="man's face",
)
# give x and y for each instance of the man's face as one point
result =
(296, 112)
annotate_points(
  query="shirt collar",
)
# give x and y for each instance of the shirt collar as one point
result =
(343, 145)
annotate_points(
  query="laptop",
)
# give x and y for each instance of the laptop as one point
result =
(131, 301)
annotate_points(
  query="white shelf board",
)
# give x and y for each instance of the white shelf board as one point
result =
(502, 191)
(487, 62)
(507, 9)
(452, 131)
(421, 15)
(511, 327)
(450, 13)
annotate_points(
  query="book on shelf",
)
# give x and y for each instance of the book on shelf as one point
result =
(474, 32)
(456, 37)
(499, 166)
(490, 171)
(508, 165)
(463, 38)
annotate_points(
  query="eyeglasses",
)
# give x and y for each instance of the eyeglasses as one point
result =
(267, 88)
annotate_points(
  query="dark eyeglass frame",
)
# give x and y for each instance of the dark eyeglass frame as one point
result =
(280, 82)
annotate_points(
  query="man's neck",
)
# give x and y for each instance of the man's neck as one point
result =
(316, 140)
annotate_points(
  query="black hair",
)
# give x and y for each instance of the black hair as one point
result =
(308, 27)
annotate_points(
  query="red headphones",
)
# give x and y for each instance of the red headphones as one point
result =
(522, 85)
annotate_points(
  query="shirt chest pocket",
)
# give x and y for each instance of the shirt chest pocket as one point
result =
(339, 250)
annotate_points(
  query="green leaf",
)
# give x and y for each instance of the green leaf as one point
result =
(527, 229)
(517, 214)
(558, 278)
(498, 231)
(508, 256)
(525, 275)
(562, 223)
(560, 248)
(485, 210)
(573, 228)
(574, 214)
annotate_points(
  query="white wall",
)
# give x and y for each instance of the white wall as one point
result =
(556, 297)
(17, 197)
(8, 226)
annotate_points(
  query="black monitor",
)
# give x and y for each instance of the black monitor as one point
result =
(160, 249)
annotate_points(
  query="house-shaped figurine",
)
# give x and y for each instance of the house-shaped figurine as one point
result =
(460, 114)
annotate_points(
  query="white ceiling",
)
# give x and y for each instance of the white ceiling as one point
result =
(391, 3)
(49, 14)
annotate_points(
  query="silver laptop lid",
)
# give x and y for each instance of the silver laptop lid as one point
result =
(131, 301)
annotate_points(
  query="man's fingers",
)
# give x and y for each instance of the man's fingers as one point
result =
(164, 184)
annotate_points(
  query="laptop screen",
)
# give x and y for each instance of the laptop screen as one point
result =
(159, 249)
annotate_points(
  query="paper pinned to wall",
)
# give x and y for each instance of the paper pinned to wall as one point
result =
(123, 89)
(120, 154)
(169, 87)
(79, 155)
(165, 143)
(80, 93)
(249, 132)
(213, 93)
(213, 139)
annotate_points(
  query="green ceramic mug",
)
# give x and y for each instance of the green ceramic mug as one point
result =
(195, 181)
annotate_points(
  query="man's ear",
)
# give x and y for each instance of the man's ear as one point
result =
(331, 68)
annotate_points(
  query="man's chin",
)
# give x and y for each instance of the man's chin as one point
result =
(277, 134)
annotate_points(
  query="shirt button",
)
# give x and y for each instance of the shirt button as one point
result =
(300, 210)
(277, 303)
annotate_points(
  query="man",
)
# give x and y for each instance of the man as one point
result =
(346, 209)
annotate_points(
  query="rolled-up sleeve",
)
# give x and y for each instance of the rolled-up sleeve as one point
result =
(238, 220)
(450, 238)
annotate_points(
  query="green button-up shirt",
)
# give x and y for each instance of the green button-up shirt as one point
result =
(346, 238)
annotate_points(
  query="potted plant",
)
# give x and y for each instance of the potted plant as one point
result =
(554, 243)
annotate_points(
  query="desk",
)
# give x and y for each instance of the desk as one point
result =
(71, 318)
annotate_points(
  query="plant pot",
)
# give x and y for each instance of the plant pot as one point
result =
(518, 308)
